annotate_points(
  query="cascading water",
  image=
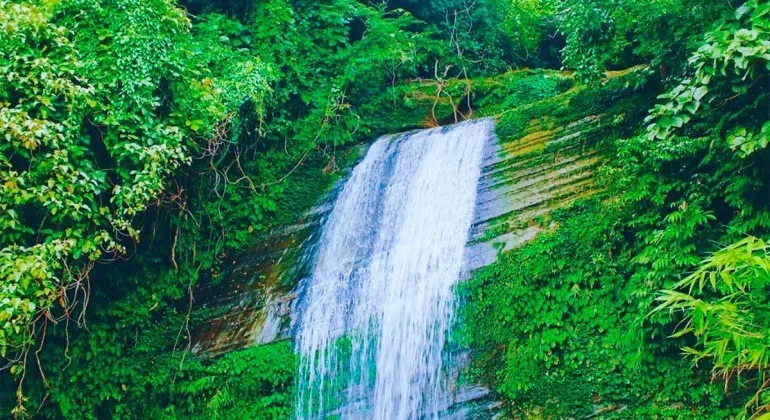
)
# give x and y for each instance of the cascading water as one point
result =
(377, 308)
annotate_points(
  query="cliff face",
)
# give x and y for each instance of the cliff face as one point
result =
(254, 303)
(528, 177)
(545, 157)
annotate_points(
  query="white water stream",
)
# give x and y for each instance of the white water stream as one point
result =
(377, 309)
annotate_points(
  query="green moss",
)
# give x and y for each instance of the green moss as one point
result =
(560, 139)
(614, 97)
(516, 88)
(411, 105)
(310, 182)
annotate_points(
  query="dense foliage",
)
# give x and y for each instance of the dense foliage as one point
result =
(590, 317)
(612, 33)
(143, 141)
(132, 131)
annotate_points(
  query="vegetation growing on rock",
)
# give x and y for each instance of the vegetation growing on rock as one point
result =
(144, 143)
(600, 314)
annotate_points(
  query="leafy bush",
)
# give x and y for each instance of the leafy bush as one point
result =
(725, 307)
(87, 148)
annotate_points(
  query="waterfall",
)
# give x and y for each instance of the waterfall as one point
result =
(378, 306)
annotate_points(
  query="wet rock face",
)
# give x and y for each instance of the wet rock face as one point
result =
(546, 169)
(255, 301)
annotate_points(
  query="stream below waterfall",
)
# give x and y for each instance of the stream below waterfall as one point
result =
(376, 311)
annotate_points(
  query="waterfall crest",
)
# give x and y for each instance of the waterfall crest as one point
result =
(377, 308)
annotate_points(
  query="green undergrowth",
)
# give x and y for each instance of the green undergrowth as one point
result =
(130, 358)
(550, 325)
(287, 202)
(143, 371)
(562, 326)
(495, 95)
(256, 382)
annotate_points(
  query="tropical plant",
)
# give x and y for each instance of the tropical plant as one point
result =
(734, 58)
(724, 305)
